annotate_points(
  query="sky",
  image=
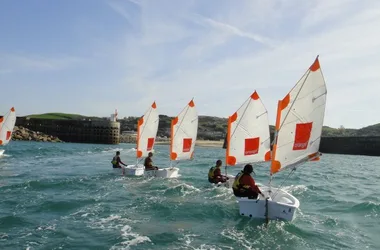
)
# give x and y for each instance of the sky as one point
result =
(92, 56)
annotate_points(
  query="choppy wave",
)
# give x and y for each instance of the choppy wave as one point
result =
(67, 196)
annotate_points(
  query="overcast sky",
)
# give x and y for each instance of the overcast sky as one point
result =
(92, 56)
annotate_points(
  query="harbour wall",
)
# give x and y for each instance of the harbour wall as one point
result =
(355, 145)
(82, 131)
(360, 145)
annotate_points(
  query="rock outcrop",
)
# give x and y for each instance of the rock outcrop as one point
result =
(24, 134)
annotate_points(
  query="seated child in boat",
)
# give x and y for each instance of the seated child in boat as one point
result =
(148, 163)
(116, 161)
(244, 185)
(214, 174)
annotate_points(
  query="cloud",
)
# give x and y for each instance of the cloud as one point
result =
(224, 55)
(5, 71)
(22, 62)
(219, 52)
(235, 31)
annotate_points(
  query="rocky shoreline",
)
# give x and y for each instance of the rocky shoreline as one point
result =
(24, 134)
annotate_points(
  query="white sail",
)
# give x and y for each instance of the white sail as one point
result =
(248, 136)
(299, 121)
(147, 128)
(184, 129)
(7, 123)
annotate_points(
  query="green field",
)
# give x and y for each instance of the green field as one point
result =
(58, 116)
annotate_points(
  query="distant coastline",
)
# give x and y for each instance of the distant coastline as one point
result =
(210, 127)
(211, 132)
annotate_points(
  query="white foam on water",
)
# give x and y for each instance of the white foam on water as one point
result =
(295, 188)
(188, 238)
(185, 189)
(111, 222)
(240, 237)
(3, 236)
(88, 211)
(119, 149)
(31, 243)
(129, 238)
(223, 193)
(212, 247)
(47, 228)
(132, 239)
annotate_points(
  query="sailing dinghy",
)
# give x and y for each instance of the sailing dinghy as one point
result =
(184, 129)
(147, 127)
(248, 136)
(297, 138)
(7, 124)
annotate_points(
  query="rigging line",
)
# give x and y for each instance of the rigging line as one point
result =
(237, 125)
(179, 125)
(5, 120)
(291, 172)
(143, 128)
(295, 99)
(179, 129)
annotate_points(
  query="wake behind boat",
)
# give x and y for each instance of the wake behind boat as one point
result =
(297, 138)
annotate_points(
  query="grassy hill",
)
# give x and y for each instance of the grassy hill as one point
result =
(372, 130)
(62, 116)
(210, 127)
(58, 116)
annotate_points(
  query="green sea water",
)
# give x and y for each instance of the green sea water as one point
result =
(67, 196)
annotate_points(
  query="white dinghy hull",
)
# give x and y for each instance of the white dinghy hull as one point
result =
(282, 206)
(162, 173)
(134, 170)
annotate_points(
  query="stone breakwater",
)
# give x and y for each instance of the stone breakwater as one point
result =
(24, 134)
